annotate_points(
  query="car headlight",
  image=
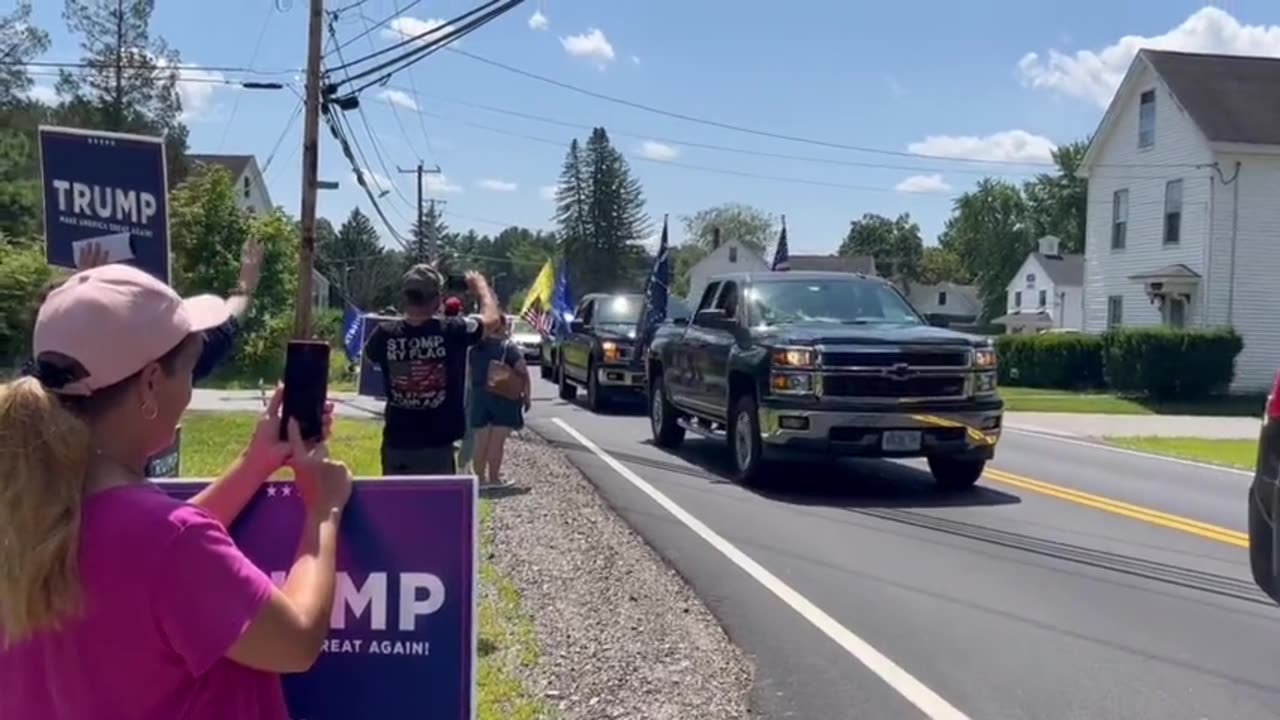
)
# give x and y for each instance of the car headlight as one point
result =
(984, 358)
(791, 383)
(611, 351)
(792, 357)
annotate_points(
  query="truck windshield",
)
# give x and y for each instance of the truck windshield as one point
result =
(618, 310)
(831, 301)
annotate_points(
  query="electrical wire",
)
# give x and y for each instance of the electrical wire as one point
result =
(253, 56)
(446, 26)
(375, 25)
(333, 122)
(297, 113)
(157, 67)
(756, 131)
(231, 82)
(422, 123)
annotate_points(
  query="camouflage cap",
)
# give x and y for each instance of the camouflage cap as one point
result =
(424, 280)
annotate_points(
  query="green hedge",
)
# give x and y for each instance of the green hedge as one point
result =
(1053, 360)
(1166, 363)
(1161, 363)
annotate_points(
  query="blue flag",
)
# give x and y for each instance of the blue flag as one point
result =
(655, 297)
(351, 332)
(561, 302)
(781, 256)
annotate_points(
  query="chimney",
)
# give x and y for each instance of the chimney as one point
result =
(715, 236)
(1049, 246)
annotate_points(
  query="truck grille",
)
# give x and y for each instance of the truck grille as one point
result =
(877, 386)
(888, 357)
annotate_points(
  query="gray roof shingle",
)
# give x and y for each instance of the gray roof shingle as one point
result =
(235, 164)
(1232, 98)
(1062, 269)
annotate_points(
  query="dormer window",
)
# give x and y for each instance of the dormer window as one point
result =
(733, 253)
(1147, 119)
(246, 187)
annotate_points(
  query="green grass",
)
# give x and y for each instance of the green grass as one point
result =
(1229, 453)
(1023, 399)
(234, 378)
(506, 637)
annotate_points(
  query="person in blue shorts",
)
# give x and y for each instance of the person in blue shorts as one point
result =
(494, 417)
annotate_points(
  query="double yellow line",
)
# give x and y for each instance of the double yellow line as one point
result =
(1136, 512)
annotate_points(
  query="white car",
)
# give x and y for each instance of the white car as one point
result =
(526, 338)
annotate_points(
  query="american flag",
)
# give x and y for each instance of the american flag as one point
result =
(537, 317)
(655, 297)
(781, 257)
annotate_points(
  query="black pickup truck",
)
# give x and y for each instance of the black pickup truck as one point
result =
(823, 364)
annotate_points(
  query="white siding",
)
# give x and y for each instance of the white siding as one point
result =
(1257, 266)
(960, 300)
(251, 191)
(722, 260)
(1070, 310)
(1030, 289)
(1178, 143)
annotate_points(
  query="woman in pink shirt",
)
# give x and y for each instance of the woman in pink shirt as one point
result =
(118, 602)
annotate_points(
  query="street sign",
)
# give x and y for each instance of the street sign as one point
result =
(109, 188)
(402, 639)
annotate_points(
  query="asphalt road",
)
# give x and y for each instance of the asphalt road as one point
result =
(1073, 582)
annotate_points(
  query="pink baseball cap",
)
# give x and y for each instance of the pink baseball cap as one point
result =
(115, 319)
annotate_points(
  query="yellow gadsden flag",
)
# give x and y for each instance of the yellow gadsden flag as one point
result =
(543, 286)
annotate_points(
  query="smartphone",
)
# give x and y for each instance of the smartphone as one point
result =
(306, 386)
(455, 283)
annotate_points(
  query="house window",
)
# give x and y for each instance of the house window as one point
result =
(1172, 212)
(733, 254)
(1115, 311)
(1030, 280)
(1044, 297)
(942, 298)
(1147, 119)
(246, 186)
(1119, 218)
(1017, 298)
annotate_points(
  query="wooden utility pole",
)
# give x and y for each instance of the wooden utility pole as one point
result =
(310, 170)
(425, 247)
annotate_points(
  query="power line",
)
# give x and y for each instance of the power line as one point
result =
(379, 23)
(413, 85)
(253, 56)
(297, 112)
(755, 131)
(395, 111)
(156, 67)
(332, 119)
(231, 82)
(442, 28)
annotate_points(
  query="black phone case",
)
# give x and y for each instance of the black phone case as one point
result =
(304, 400)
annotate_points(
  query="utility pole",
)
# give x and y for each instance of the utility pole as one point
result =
(310, 170)
(428, 253)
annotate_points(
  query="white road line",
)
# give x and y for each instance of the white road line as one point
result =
(914, 691)
(1124, 451)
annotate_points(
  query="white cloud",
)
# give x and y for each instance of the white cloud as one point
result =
(635, 59)
(399, 98)
(440, 184)
(44, 94)
(1006, 146)
(497, 185)
(923, 184)
(405, 27)
(658, 151)
(538, 21)
(1094, 75)
(376, 181)
(547, 192)
(592, 45)
(196, 88)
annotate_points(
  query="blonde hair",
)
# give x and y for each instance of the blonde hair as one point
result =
(44, 451)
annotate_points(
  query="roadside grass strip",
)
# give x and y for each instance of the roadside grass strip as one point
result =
(1026, 399)
(507, 646)
(1228, 453)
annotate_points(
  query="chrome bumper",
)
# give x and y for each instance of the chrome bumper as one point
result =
(852, 432)
(616, 376)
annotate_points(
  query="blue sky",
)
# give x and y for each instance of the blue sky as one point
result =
(937, 78)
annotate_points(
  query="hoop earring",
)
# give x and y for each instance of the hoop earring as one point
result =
(149, 412)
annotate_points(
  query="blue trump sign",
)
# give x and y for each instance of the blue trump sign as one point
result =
(402, 637)
(109, 189)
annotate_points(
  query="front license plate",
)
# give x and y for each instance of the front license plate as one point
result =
(900, 441)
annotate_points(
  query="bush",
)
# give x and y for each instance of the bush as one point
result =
(1166, 364)
(1065, 361)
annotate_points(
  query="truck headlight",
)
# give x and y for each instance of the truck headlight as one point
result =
(792, 357)
(984, 358)
(611, 351)
(791, 383)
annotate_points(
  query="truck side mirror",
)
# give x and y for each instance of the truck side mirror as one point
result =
(712, 318)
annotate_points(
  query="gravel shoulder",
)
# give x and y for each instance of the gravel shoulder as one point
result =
(620, 635)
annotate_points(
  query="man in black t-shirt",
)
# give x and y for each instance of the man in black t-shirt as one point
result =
(423, 359)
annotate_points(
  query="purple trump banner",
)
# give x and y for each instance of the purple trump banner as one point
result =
(402, 637)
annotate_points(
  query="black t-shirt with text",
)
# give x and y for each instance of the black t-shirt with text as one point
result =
(424, 369)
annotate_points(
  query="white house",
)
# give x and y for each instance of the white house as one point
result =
(1047, 292)
(961, 304)
(252, 197)
(1183, 218)
(731, 256)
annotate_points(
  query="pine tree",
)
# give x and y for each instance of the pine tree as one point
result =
(20, 41)
(433, 224)
(616, 208)
(130, 81)
(572, 216)
(355, 261)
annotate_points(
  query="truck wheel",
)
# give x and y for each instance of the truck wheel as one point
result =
(663, 417)
(597, 401)
(567, 391)
(955, 473)
(744, 442)
(1260, 548)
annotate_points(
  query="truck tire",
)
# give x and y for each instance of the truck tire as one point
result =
(663, 417)
(955, 473)
(745, 447)
(567, 390)
(597, 400)
(1261, 541)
